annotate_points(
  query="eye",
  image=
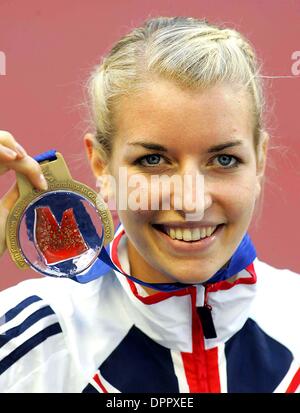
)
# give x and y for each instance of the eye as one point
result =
(227, 161)
(149, 160)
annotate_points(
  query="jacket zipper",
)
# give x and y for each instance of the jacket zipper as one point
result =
(201, 366)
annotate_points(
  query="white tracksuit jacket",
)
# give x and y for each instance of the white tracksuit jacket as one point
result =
(57, 335)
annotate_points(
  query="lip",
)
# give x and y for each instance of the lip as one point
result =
(189, 246)
(188, 225)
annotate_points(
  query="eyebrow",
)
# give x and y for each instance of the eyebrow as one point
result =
(212, 149)
(151, 146)
(222, 146)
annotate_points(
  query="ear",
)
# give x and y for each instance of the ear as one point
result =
(261, 161)
(94, 157)
(100, 170)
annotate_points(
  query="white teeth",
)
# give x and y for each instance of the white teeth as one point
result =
(195, 234)
(172, 233)
(209, 231)
(187, 234)
(203, 232)
(178, 234)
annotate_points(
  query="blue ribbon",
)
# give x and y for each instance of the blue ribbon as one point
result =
(46, 156)
(243, 256)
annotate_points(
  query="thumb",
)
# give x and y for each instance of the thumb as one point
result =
(6, 203)
(10, 198)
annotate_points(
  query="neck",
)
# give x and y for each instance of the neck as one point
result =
(139, 268)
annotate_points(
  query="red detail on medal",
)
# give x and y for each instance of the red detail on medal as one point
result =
(55, 242)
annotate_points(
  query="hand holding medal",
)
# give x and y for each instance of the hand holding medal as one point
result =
(59, 231)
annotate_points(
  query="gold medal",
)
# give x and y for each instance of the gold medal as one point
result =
(61, 231)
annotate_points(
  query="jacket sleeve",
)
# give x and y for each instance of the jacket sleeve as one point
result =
(33, 353)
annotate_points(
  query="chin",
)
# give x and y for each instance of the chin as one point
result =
(193, 280)
(196, 277)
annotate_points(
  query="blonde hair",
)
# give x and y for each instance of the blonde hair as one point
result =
(191, 52)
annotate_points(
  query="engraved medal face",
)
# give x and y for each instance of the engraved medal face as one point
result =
(60, 233)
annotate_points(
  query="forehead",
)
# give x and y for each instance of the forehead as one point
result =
(169, 114)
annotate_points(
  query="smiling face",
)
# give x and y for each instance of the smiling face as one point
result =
(206, 133)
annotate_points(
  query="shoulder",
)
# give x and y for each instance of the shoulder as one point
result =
(30, 334)
(37, 320)
(276, 282)
(62, 294)
(277, 306)
(266, 270)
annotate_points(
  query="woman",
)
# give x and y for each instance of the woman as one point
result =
(175, 97)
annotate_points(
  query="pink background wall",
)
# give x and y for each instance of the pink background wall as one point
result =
(50, 47)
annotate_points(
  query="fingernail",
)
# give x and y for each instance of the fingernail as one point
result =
(9, 152)
(21, 151)
(43, 182)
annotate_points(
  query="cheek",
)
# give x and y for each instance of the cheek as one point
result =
(238, 198)
(135, 219)
(136, 213)
(136, 224)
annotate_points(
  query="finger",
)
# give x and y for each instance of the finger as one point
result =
(3, 217)
(7, 154)
(6, 203)
(31, 169)
(7, 140)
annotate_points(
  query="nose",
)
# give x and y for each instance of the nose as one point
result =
(195, 197)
